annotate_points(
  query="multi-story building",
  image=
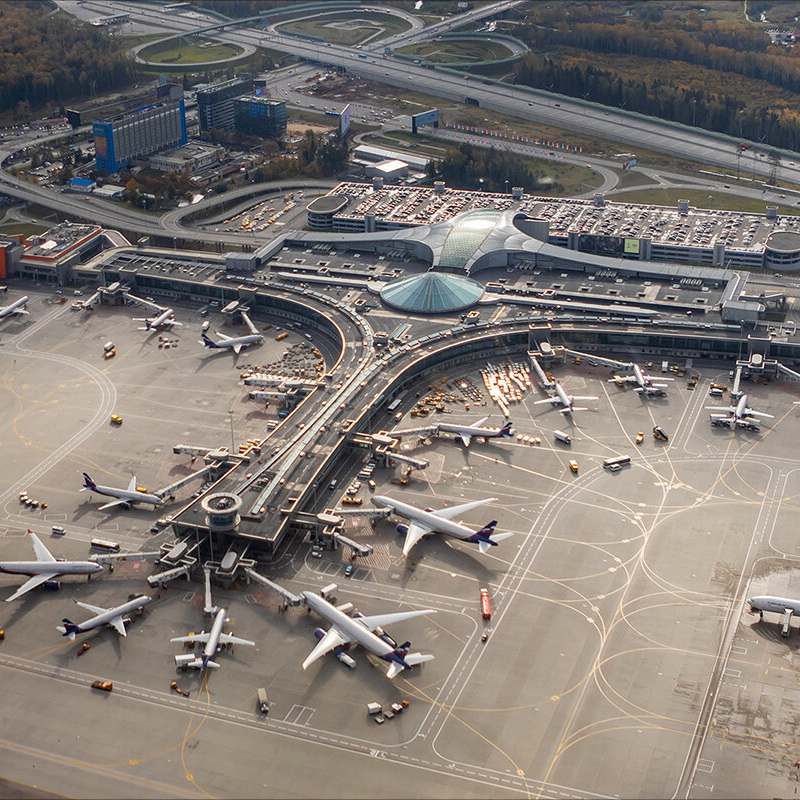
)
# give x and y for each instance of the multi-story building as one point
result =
(215, 104)
(259, 116)
(137, 133)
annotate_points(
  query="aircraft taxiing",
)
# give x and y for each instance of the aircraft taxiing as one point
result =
(123, 497)
(567, 401)
(213, 641)
(644, 383)
(737, 416)
(359, 629)
(15, 308)
(425, 521)
(115, 617)
(469, 432)
(45, 568)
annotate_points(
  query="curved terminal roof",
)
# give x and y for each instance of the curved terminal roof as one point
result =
(465, 235)
(432, 293)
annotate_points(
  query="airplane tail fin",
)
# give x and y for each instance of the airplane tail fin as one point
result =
(507, 429)
(88, 484)
(68, 628)
(206, 341)
(409, 660)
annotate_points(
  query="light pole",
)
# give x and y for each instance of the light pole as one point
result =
(230, 416)
(694, 111)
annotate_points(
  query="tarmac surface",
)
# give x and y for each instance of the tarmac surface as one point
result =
(620, 659)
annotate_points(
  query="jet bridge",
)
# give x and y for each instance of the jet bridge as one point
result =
(544, 380)
(290, 598)
(168, 490)
(415, 463)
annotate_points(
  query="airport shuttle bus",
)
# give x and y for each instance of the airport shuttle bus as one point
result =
(616, 462)
(486, 605)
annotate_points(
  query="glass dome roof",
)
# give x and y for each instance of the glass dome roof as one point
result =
(467, 232)
(432, 293)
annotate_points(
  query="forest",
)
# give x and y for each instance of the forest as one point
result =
(48, 58)
(727, 78)
(490, 170)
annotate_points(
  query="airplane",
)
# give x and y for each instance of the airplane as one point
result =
(234, 342)
(425, 521)
(124, 497)
(213, 641)
(644, 383)
(566, 400)
(104, 616)
(164, 320)
(470, 432)
(780, 605)
(361, 630)
(14, 308)
(45, 568)
(738, 415)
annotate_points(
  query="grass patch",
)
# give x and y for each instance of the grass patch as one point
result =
(464, 52)
(192, 53)
(24, 228)
(348, 28)
(722, 201)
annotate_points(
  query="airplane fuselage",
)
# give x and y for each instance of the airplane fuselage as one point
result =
(777, 604)
(54, 568)
(129, 496)
(14, 308)
(234, 342)
(473, 430)
(212, 645)
(427, 518)
(565, 399)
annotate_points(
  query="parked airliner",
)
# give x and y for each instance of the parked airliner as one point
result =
(566, 400)
(45, 568)
(470, 432)
(425, 521)
(164, 320)
(123, 497)
(15, 308)
(115, 617)
(738, 415)
(213, 641)
(236, 343)
(361, 630)
(644, 383)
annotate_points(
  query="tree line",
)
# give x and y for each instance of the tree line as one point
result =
(489, 170)
(48, 58)
(672, 68)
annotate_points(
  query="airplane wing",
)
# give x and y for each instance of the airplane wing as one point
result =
(479, 422)
(328, 642)
(118, 623)
(622, 379)
(132, 484)
(36, 580)
(751, 413)
(454, 511)
(223, 336)
(42, 553)
(120, 502)
(414, 534)
(584, 397)
(725, 409)
(237, 348)
(192, 637)
(382, 620)
(466, 438)
(227, 638)
(89, 607)
(551, 400)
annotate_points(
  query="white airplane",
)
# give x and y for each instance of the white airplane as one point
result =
(470, 432)
(213, 641)
(644, 383)
(236, 343)
(45, 568)
(164, 320)
(104, 616)
(425, 521)
(738, 415)
(566, 400)
(360, 630)
(14, 308)
(779, 605)
(123, 497)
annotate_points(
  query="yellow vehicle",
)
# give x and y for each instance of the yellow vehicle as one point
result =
(106, 686)
(282, 335)
(352, 501)
(573, 465)
(116, 419)
(639, 437)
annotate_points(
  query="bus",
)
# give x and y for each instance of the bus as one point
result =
(615, 463)
(486, 605)
(394, 405)
(105, 544)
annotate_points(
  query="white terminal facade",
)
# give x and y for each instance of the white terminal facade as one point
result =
(631, 231)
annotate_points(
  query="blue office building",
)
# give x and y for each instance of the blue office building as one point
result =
(260, 116)
(146, 130)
